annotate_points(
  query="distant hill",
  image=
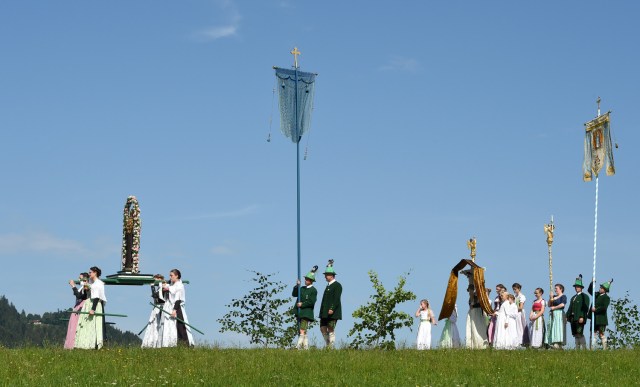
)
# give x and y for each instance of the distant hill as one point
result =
(29, 330)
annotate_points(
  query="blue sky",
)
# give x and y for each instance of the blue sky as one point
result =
(433, 122)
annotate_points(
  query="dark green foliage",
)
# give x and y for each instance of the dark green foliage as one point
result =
(50, 329)
(626, 321)
(263, 314)
(379, 317)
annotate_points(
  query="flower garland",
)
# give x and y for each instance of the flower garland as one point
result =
(131, 223)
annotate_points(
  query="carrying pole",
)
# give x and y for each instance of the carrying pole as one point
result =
(595, 244)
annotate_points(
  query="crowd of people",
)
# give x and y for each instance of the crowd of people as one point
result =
(167, 325)
(509, 326)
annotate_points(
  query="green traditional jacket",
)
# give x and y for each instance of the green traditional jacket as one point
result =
(578, 307)
(601, 303)
(308, 297)
(331, 301)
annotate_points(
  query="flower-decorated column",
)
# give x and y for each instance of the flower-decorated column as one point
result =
(131, 236)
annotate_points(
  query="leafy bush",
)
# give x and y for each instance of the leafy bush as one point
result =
(626, 320)
(258, 314)
(379, 317)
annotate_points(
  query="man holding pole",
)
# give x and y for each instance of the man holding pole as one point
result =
(599, 310)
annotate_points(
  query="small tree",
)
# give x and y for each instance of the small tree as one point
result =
(258, 314)
(379, 317)
(626, 320)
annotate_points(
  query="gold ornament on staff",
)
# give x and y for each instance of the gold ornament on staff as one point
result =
(471, 245)
(549, 229)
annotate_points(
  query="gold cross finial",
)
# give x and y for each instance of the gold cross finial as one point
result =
(295, 54)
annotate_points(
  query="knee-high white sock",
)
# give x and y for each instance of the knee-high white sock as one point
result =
(332, 339)
(300, 341)
(305, 342)
(326, 339)
(604, 342)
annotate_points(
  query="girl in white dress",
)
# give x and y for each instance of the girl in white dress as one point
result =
(450, 337)
(522, 330)
(423, 340)
(506, 323)
(174, 331)
(153, 332)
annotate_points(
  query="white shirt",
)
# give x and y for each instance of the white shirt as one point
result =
(176, 292)
(97, 290)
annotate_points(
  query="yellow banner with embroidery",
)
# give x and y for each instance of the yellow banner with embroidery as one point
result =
(598, 150)
(478, 296)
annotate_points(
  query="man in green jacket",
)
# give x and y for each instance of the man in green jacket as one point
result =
(331, 308)
(577, 313)
(600, 304)
(306, 298)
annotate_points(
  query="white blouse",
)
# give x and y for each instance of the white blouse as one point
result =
(97, 290)
(176, 292)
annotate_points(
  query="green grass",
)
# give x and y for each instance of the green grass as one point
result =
(258, 367)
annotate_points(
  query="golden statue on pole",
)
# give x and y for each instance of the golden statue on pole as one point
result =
(471, 245)
(549, 229)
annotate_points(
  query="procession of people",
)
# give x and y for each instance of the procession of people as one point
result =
(503, 329)
(168, 325)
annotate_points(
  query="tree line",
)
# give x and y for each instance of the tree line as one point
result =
(21, 329)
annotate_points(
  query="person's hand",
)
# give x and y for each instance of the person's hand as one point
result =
(580, 320)
(299, 304)
(298, 282)
(330, 311)
(506, 325)
(593, 309)
(72, 283)
(91, 312)
(174, 314)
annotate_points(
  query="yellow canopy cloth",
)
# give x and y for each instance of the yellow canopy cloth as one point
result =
(452, 289)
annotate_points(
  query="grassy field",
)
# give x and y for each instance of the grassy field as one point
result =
(258, 367)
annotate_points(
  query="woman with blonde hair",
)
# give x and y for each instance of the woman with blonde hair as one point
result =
(424, 329)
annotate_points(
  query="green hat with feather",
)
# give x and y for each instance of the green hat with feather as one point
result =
(579, 281)
(330, 270)
(606, 285)
(311, 275)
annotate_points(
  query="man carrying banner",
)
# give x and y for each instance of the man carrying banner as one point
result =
(599, 310)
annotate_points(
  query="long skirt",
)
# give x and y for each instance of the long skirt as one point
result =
(505, 337)
(491, 330)
(537, 332)
(153, 332)
(171, 327)
(424, 335)
(70, 340)
(557, 333)
(450, 337)
(476, 337)
(525, 328)
(90, 331)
